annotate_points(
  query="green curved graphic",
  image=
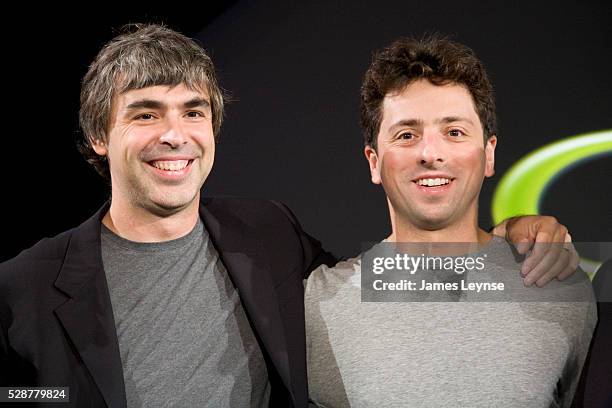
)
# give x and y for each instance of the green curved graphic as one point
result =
(521, 189)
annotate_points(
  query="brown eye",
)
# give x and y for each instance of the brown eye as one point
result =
(455, 133)
(145, 116)
(406, 136)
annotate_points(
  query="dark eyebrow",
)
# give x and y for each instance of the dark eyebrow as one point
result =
(452, 119)
(419, 122)
(197, 103)
(145, 104)
(406, 122)
(153, 104)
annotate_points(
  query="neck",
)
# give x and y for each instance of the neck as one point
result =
(464, 230)
(141, 225)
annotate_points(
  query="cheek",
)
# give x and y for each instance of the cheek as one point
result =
(204, 137)
(133, 148)
(470, 159)
(140, 142)
(209, 151)
(126, 144)
(209, 141)
(395, 162)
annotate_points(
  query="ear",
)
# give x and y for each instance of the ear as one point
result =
(373, 161)
(490, 156)
(99, 147)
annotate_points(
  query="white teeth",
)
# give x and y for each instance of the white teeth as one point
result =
(433, 182)
(174, 165)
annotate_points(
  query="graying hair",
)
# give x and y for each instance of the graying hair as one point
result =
(143, 55)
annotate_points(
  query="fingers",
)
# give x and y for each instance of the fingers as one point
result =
(539, 251)
(546, 262)
(550, 260)
(517, 231)
(523, 246)
(560, 232)
(574, 259)
(548, 231)
(542, 238)
(559, 266)
(522, 231)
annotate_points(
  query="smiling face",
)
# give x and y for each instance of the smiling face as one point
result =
(160, 148)
(430, 157)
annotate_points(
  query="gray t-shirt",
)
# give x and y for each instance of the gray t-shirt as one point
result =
(437, 354)
(184, 338)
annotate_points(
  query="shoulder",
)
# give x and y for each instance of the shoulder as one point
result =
(268, 222)
(47, 251)
(253, 211)
(501, 253)
(26, 281)
(328, 281)
(503, 263)
(266, 225)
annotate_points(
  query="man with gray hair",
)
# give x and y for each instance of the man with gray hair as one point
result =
(160, 298)
(163, 298)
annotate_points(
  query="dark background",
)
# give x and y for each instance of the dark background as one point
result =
(294, 70)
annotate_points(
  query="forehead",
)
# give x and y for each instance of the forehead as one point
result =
(425, 101)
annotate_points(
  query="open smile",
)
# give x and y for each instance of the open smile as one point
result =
(434, 184)
(171, 169)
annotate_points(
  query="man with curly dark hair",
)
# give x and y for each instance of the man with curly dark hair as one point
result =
(459, 335)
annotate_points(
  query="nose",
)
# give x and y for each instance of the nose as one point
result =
(432, 149)
(174, 134)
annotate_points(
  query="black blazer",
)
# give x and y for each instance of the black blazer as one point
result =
(595, 387)
(57, 326)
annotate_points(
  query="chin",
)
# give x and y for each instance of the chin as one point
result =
(431, 222)
(165, 206)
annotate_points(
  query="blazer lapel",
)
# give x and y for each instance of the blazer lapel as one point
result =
(87, 316)
(247, 266)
